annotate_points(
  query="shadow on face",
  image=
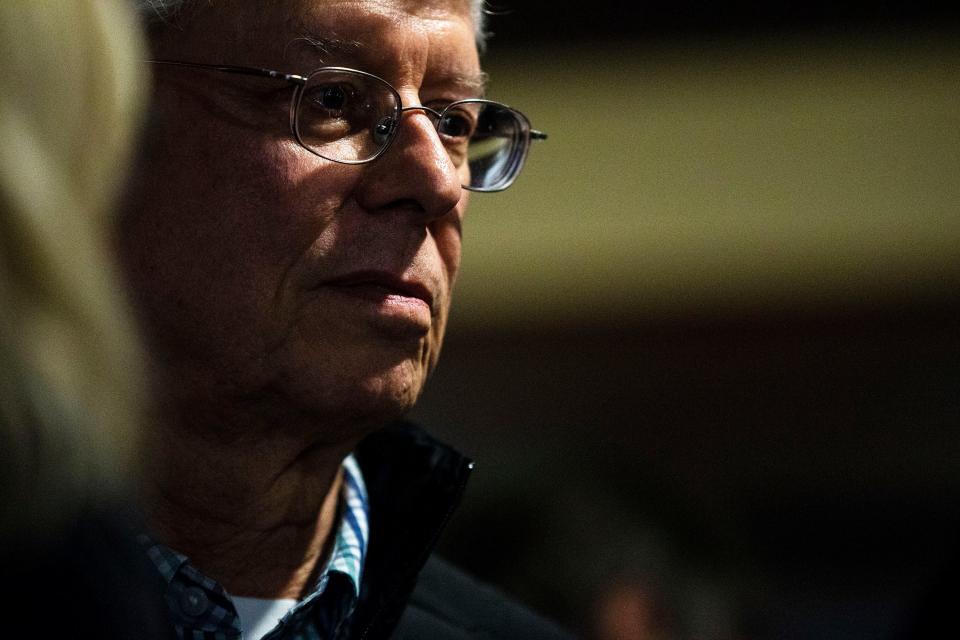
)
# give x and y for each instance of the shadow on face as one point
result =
(267, 276)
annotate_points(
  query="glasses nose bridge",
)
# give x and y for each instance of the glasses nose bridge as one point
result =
(433, 114)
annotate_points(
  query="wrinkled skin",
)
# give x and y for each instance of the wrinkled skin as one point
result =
(234, 228)
(271, 357)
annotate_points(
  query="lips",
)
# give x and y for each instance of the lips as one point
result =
(383, 283)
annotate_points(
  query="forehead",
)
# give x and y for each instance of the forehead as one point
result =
(411, 43)
(262, 33)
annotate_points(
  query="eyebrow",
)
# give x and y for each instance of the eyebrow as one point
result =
(474, 83)
(328, 45)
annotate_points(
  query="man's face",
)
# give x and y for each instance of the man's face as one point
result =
(268, 275)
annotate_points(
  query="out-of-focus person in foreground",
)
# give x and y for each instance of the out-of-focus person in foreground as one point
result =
(291, 239)
(71, 95)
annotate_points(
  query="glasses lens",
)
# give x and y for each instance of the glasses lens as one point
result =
(497, 144)
(345, 115)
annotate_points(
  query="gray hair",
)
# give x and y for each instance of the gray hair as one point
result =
(161, 10)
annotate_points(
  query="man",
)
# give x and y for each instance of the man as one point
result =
(291, 239)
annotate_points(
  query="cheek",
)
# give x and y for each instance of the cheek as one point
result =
(216, 222)
(318, 190)
(288, 204)
(450, 251)
(448, 234)
(448, 241)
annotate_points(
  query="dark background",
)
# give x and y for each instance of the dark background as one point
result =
(539, 21)
(785, 468)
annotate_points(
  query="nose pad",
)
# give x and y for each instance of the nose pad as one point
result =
(384, 129)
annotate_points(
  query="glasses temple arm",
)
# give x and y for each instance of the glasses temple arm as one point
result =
(228, 68)
(537, 135)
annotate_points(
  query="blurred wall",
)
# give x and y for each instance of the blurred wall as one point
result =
(722, 175)
(709, 340)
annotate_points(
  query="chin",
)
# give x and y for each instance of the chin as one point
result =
(393, 393)
(346, 388)
(351, 401)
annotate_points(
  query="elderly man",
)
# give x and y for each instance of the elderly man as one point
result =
(292, 238)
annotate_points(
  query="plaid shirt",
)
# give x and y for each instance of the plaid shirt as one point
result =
(202, 610)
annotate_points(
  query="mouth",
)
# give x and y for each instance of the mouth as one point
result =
(383, 285)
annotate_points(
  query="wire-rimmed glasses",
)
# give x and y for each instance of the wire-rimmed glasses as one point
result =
(351, 116)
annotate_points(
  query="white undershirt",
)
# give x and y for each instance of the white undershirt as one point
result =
(258, 616)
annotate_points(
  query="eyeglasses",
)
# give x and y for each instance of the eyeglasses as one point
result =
(350, 116)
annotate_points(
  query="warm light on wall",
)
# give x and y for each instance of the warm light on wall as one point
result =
(722, 177)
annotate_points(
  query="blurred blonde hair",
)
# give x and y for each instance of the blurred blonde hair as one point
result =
(70, 371)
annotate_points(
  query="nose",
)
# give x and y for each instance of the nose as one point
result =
(415, 175)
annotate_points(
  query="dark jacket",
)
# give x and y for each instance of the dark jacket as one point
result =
(414, 484)
(97, 579)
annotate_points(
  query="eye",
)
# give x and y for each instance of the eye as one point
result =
(346, 115)
(457, 123)
(333, 99)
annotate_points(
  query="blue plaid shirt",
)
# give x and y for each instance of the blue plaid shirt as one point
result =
(202, 610)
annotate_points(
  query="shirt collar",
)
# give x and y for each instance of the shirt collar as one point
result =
(350, 542)
(344, 566)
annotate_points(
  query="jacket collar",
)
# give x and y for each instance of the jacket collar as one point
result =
(414, 484)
